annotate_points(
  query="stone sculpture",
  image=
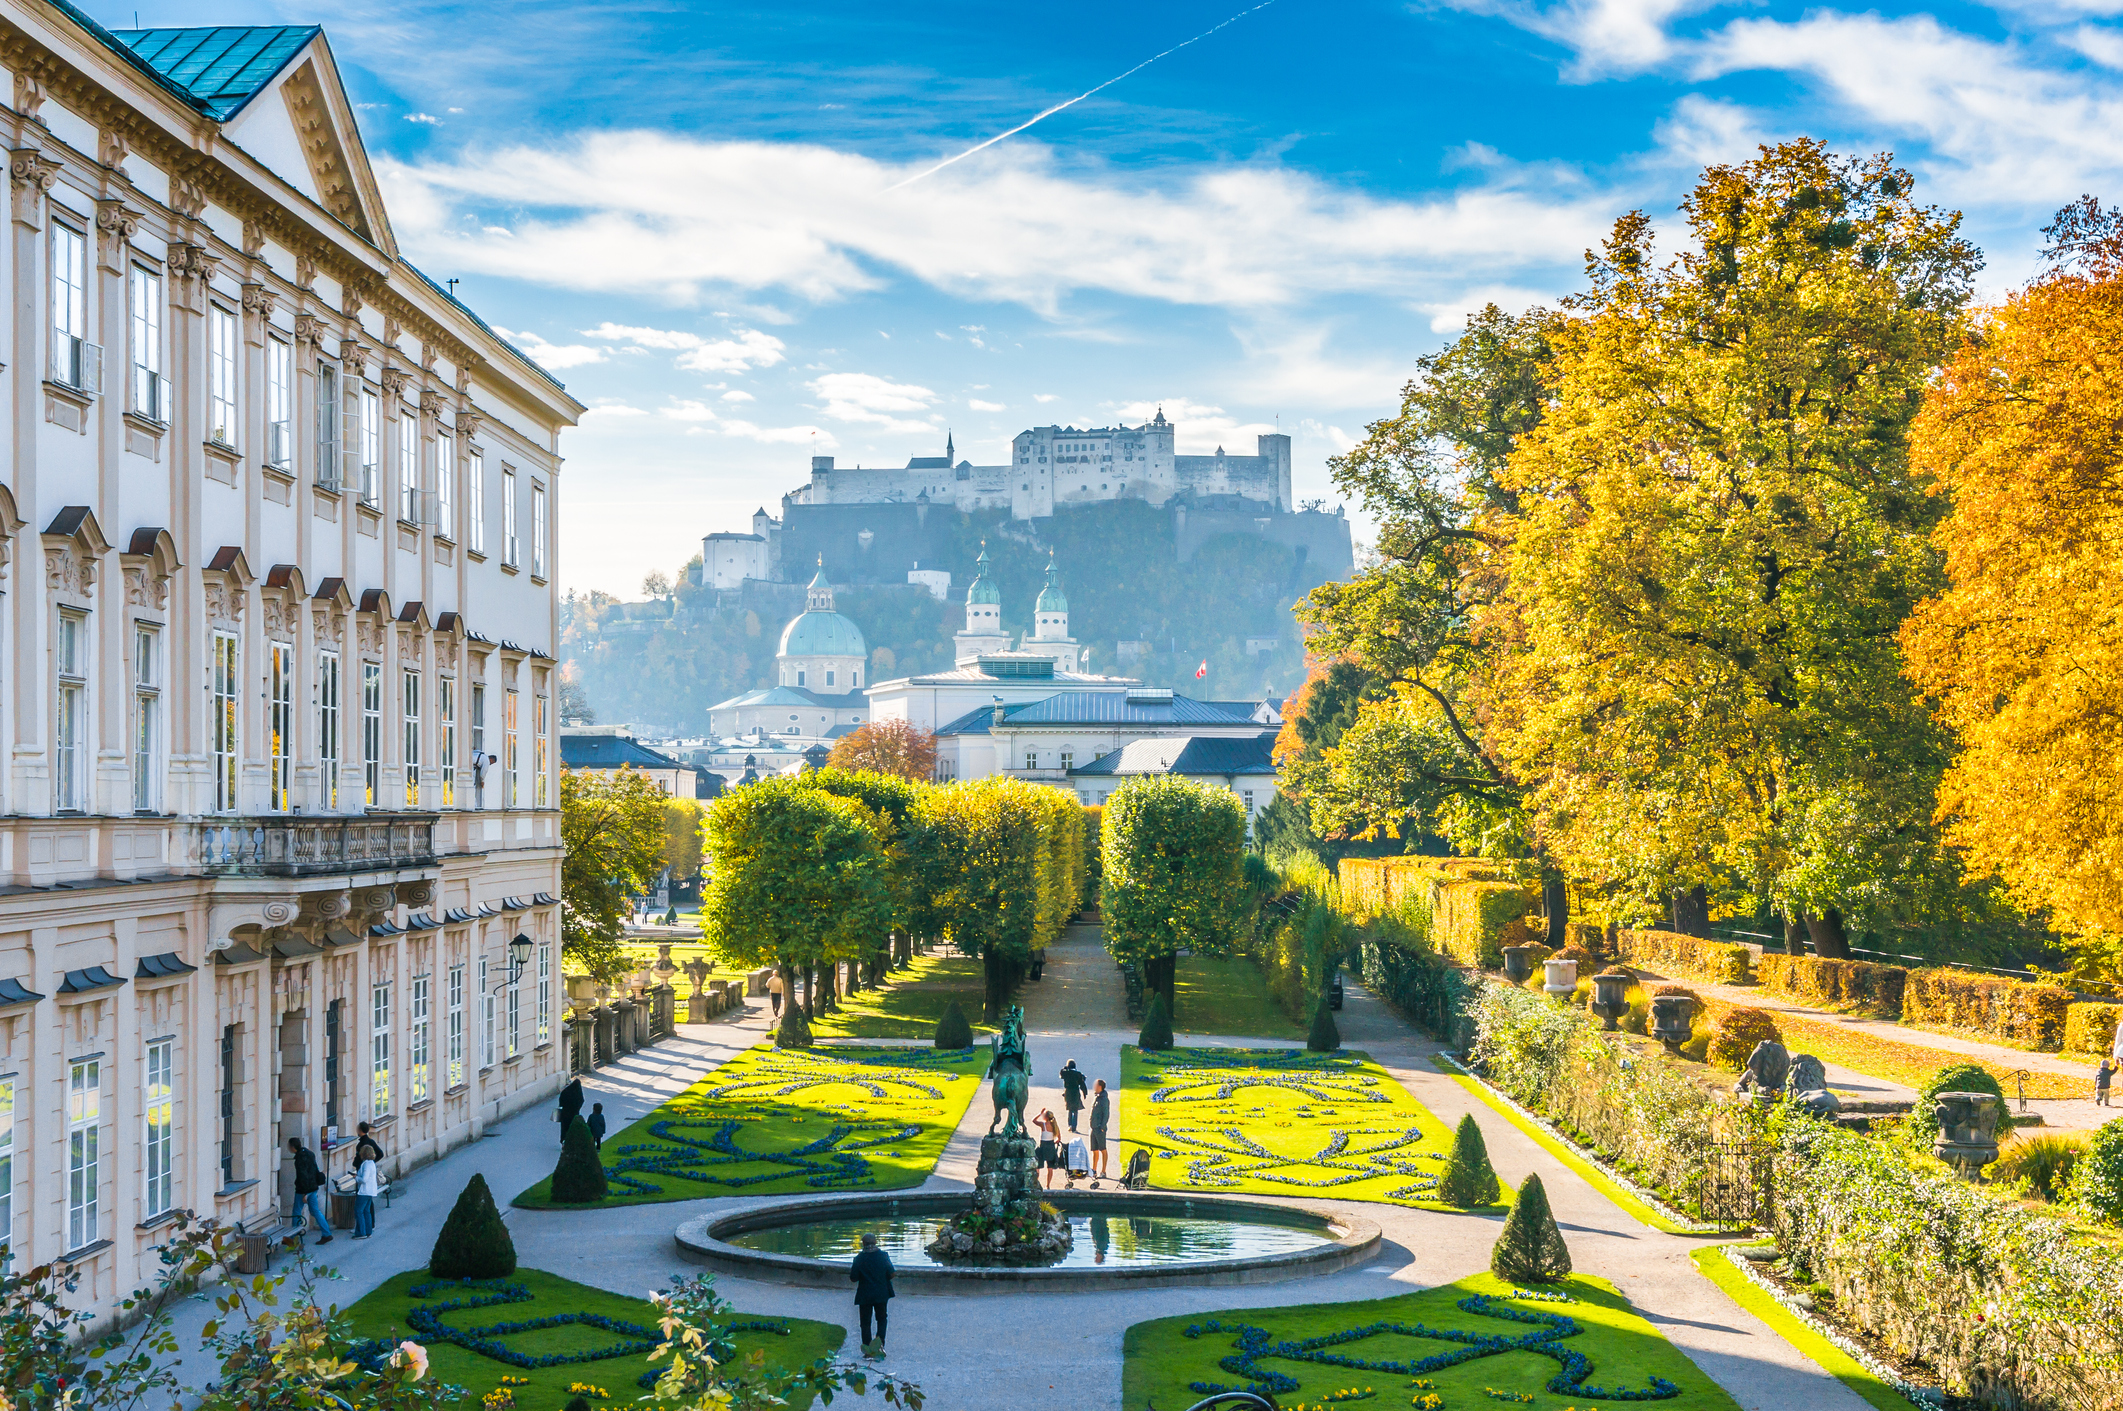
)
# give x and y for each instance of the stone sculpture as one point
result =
(1010, 1069)
(1670, 1015)
(1518, 964)
(1008, 1221)
(1608, 1002)
(1807, 1082)
(1562, 981)
(1968, 1132)
(1767, 1068)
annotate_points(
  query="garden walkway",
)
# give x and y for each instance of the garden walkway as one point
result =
(1061, 1351)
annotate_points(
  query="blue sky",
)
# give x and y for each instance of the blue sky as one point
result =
(685, 209)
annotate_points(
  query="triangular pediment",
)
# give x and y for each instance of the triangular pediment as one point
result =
(304, 117)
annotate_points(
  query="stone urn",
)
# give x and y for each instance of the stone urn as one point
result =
(1670, 1016)
(1609, 1000)
(581, 988)
(1562, 981)
(1968, 1132)
(664, 966)
(1518, 964)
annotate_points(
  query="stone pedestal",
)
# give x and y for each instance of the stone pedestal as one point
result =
(1968, 1132)
(1008, 1223)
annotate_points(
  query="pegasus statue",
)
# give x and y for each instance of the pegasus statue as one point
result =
(1010, 1066)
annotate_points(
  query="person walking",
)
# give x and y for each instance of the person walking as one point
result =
(1049, 1156)
(368, 1184)
(570, 1107)
(2102, 1077)
(777, 988)
(1101, 1118)
(871, 1273)
(596, 1120)
(309, 1181)
(1073, 1086)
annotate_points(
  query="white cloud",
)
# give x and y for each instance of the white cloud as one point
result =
(453, 110)
(554, 356)
(429, 118)
(978, 405)
(1339, 440)
(746, 349)
(619, 409)
(1044, 397)
(657, 214)
(782, 435)
(1450, 316)
(866, 397)
(690, 411)
(738, 396)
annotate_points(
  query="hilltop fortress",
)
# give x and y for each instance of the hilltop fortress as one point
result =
(873, 524)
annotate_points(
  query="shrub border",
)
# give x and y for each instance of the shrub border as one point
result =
(1830, 1350)
(1644, 1206)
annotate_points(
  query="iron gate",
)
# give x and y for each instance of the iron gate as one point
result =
(1737, 1181)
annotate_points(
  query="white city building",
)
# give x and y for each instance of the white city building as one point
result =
(279, 828)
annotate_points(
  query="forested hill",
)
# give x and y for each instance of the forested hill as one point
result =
(659, 665)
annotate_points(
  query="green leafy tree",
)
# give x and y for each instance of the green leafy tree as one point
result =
(1468, 1180)
(1531, 1248)
(474, 1241)
(613, 837)
(1174, 875)
(892, 803)
(1003, 865)
(799, 879)
(579, 1178)
(682, 838)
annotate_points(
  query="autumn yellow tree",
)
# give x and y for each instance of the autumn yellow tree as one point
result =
(2023, 651)
(896, 747)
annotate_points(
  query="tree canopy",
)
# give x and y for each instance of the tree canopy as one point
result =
(1174, 875)
(1003, 861)
(896, 747)
(613, 840)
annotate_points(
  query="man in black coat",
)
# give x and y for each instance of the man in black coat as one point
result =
(871, 1274)
(596, 1122)
(309, 1180)
(570, 1107)
(1073, 1085)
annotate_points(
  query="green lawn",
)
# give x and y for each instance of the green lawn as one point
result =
(910, 1002)
(1281, 1122)
(1166, 1368)
(387, 1312)
(1228, 995)
(792, 1122)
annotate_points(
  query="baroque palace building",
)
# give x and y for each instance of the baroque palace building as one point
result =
(280, 830)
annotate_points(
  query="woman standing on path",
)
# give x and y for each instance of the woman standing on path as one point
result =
(1049, 1155)
(1101, 1115)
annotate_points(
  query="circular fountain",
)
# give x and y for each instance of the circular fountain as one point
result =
(1122, 1239)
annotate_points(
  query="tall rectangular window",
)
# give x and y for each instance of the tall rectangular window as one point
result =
(231, 1076)
(416, 1076)
(159, 1138)
(281, 725)
(279, 403)
(486, 1018)
(445, 484)
(221, 338)
(70, 714)
(508, 516)
(514, 790)
(223, 724)
(446, 744)
(371, 445)
(541, 717)
(513, 1028)
(478, 541)
(537, 530)
(380, 1050)
(147, 719)
(328, 725)
(7, 1166)
(150, 390)
(334, 1031)
(408, 464)
(73, 359)
(410, 715)
(453, 1038)
(84, 1161)
(371, 732)
(331, 414)
(479, 719)
(545, 994)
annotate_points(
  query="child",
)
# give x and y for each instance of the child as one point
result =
(2101, 1078)
(367, 1186)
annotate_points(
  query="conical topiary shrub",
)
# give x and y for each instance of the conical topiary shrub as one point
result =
(1325, 1038)
(1469, 1180)
(579, 1403)
(474, 1243)
(794, 1030)
(952, 1031)
(579, 1178)
(1531, 1249)
(1157, 1024)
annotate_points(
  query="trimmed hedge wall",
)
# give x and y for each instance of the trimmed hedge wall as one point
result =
(1471, 919)
(1720, 962)
(1859, 986)
(2090, 1027)
(1471, 907)
(1992, 1006)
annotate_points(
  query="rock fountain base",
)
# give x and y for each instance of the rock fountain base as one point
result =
(1008, 1222)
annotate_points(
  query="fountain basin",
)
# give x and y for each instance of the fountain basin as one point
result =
(1173, 1240)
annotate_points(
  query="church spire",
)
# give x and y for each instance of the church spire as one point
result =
(950, 452)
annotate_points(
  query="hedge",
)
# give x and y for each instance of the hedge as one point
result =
(2010, 1307)
(1720, 962)
(1989, 1006)
(1469, 907)
(2090, 1027)
(1859, 986)
(1373, 886)
(1417, 983)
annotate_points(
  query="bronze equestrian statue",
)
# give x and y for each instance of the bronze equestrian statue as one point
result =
(1010, 1066)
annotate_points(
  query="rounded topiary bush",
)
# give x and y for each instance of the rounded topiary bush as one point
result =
(1324, 1038)
(579, 1179)
(1531, 1249)
(1468, 1180)
(474, 1242)
(1157, 1024)
(952, 1030)
(578, 1403)
(2097, 1176)
(1736, 1035)
(1953, 1078)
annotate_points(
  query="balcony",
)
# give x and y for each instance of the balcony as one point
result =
(295, 846)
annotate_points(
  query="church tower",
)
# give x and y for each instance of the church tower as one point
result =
(984, 635)
(1050, 626)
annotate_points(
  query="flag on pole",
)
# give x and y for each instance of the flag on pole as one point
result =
(1202, 670)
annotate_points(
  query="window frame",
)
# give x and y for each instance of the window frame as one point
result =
(446, 742)
(147, 717)
(69, 306)
(84, 1152)
(224, 336)
(225, 723)
(408, 464)
(279, 403)
(371, 732)
(477, 542)
(330, 740)
(512, 790)
(371, 449)
(453, 1031)
(158, 1117)
(510, 550)
(331, 428)
(150, 389)
(70, 719)
(545, 993)
(379, 1049)
(541, 751)
(409, 734)
(445, 483)
(280, 727)
(418, 1021)
(538, 528)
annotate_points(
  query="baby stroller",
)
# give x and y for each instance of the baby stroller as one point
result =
(1078, 1162)
(1137, 1176)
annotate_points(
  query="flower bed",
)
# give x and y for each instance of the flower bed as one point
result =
(1449, 1339)
(786, 1121)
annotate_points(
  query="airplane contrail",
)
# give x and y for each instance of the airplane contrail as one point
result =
(982, 146)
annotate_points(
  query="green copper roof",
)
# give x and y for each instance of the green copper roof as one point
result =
(1051, 597)
(822, 634)
(983, 589)
(222, 67)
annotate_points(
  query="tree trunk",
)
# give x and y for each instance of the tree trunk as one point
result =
(1691, 912)
(1555, 899)
(1794, 936)
(1829, 942)
(810, 992)
(1161, 974)
(999, 978)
